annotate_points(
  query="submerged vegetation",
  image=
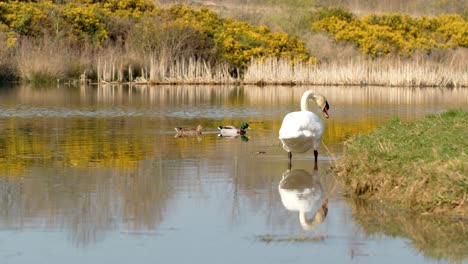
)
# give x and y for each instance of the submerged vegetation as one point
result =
(421, 166)
(139, 41)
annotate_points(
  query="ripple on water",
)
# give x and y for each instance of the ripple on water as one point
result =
(28, 112)
(209, 112)
(215, 112)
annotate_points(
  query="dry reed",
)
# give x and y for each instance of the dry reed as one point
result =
(152, 68)
(387, 72)
(49, 61)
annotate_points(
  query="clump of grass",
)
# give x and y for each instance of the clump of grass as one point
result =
(7, 69)
(421, 166)
(48, 61)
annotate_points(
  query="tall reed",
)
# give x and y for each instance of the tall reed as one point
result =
(388, 72)
(7, 66)
(158, 68)
(46, 61)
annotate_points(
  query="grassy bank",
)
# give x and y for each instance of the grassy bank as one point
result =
(421, 166)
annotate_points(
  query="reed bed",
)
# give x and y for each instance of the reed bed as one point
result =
(49, 61)
(154, 69)
(389, 72)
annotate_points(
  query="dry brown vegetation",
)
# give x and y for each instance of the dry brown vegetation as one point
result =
(388, 72)
(42, 60)
(153, 69)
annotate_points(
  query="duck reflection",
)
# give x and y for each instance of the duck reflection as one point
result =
(191, 132)
(243, 138)
(301, 191)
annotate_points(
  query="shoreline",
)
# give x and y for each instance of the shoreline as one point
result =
(418, 166)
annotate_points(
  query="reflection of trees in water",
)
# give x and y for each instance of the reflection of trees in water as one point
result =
(74, 142)
(92, 216)
(87, 203)
(10, 198)
(436, 237)
(145, 195)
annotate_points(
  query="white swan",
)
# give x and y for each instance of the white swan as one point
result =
(302, 192)
(303, 129)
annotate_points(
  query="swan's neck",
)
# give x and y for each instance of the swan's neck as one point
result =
(312, 223)
(305, 100)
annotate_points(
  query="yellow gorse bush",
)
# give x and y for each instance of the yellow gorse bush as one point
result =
(239, 41)
(8, 37)
(86, 23)
(97, 21)
(28, 19)
(385, 34)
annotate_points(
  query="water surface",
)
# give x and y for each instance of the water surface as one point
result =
(96, 175)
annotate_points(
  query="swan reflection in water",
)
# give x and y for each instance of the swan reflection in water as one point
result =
(301, 191)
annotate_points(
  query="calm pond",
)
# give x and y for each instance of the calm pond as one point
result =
(96, 175)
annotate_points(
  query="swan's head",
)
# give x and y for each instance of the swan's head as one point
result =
(323, 104)
(320, 100)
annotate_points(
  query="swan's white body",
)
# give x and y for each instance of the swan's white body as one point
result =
(302, 192)
(299, 191)
(303, 130)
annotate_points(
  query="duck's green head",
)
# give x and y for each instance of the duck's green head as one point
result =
(244, 126)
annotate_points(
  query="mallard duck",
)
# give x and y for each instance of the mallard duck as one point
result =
(188, 131)
(302, 130)
(232, 131)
